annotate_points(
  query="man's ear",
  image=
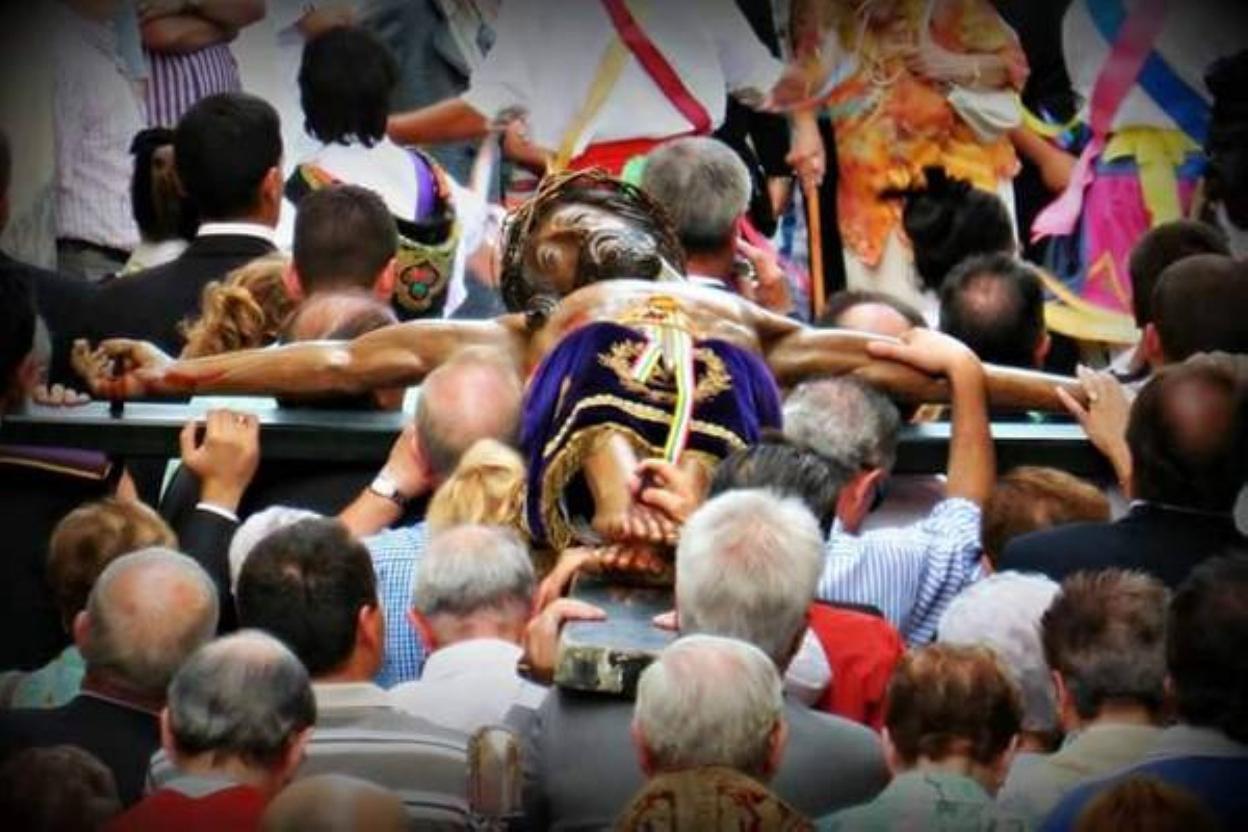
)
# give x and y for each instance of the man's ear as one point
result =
(370, 632)
(29, 375)
(891, 758)
(166, 736)
(1042, 350)
(776, 744)
(1151, 343)
(854, 501)
(273, 184)
(296, 749)
(81, 629)
(270, 196)
(424, 629)
(645, 758)
(383, 288)
(1066, 712)
(292, 284)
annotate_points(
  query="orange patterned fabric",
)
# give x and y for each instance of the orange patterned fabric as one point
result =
(709, 798)
(890, 122)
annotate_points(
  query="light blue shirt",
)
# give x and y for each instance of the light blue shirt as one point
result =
(910, 573)
(396, 554)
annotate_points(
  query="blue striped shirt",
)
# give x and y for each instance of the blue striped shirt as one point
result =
(910, 573)
(396, 553)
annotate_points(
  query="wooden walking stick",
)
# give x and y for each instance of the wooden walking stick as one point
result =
(814, 233)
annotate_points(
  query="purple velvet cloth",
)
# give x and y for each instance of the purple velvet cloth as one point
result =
(581, 386)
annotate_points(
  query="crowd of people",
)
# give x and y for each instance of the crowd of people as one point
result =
(658, 290)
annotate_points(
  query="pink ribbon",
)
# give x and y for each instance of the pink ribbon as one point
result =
(1126, 58)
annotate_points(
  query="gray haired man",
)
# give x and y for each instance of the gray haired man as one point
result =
(705, 188)
(710, 701)
(909, 573)
(147, 612)
(471, 603)
(746, 568)
(709, 721)
(240, 713)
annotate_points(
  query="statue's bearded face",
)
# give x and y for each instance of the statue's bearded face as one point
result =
(582, 244)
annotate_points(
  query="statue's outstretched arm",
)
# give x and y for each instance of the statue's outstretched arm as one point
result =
(393, 356)
(796, 353)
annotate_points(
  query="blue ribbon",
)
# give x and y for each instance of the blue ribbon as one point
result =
(1170, 92)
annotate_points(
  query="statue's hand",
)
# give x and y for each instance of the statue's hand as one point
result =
(118, 368)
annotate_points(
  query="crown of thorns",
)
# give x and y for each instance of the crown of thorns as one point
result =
(587, 187)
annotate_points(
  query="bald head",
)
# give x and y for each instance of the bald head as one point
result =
(244, 697)
(450, 416)
(875, 312)
(1188, 436)
(339, 316)
(875, 318)
(147, 613)
(334, 803)
(995, 305)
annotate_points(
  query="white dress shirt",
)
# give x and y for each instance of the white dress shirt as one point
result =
(548, 52)
(469, 685)
(96, 112)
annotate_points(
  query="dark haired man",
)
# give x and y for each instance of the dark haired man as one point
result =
(1152, 255)
(345, 240)
(228, 154)
(1200, 304)
(311, 586)
(1206, 752)
(994, 304)
(1188, 448)
(439, 222)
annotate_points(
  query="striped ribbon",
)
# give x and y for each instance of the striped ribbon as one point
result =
(673, 347)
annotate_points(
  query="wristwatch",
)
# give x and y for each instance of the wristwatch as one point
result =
(384, 486)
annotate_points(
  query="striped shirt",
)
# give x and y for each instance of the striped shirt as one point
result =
(176, 81)
(96, 112)
(909, 573)
(396, 553)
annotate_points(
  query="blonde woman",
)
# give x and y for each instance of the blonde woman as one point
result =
(486, 488)
(248, 309)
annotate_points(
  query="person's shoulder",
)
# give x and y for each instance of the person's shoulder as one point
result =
(565, 715)
(1059, 543)
(1216, 780)
(841, 737)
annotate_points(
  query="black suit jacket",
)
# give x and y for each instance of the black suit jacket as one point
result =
(149, 305)
(205, 536)
(64, 303)
(1163, 542)
(122, 738)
